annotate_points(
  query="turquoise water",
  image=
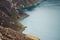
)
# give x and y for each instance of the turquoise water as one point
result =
(44, 21)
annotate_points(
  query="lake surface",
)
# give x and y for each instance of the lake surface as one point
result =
(44, 21)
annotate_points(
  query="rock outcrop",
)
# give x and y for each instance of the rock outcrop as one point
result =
(9, 34)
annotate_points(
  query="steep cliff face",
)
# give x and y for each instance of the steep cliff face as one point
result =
(10, 15)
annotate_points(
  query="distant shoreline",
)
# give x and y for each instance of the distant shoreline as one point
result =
(29, 8)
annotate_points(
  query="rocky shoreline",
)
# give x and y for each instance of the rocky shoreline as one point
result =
(10, 15)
